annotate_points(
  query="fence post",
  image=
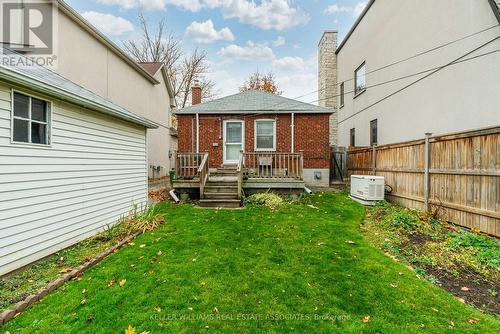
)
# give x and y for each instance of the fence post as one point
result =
(427, 158)
(374, 160)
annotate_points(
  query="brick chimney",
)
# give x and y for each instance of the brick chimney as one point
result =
(196, 93)
(327, 85)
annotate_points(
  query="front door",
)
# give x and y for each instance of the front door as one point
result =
(234, 133)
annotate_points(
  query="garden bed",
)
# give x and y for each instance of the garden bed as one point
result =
(465, 263)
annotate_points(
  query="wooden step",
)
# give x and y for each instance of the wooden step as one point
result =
(221, 195)
(214, 188)
(220, 203)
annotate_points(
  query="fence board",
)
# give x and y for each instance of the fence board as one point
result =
(464, 175)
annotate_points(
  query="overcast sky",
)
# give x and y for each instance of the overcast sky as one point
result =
(240, 36)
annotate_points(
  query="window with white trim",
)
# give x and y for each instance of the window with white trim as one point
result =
(265, 135)
(30, 120)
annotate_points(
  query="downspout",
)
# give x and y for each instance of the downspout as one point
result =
(293, 133)
(197, 133)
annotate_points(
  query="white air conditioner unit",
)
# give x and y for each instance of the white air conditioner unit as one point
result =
(367, 189)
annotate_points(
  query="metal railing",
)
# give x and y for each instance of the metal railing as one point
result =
(272, 165)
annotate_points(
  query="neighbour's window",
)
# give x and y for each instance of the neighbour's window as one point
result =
(360, 79)
(265, 135)
(30, 120)
(353, 137)
(373, 132)
(341, 94)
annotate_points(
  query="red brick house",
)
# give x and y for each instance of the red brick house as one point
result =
(269, 139)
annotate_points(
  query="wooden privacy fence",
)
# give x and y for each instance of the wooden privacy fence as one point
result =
(459, 173)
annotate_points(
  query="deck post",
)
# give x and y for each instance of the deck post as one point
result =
(427, 158)
(374, 160)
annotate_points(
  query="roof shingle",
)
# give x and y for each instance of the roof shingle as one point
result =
(251, 102)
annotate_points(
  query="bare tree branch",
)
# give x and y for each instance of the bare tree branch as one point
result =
(161, 46)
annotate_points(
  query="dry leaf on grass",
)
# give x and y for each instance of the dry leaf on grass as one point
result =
(83, 302)
(65, 270)
(130, 330)
(122, 282)
(366, 319)
(113, 282)
(464, 288)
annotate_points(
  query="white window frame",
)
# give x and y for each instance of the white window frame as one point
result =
(48, 123)
(360, 91)
(255, 135)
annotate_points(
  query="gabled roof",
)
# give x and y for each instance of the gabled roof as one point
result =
(83, 23)
(21, 71)
(254, 102)
(151, 67)
(495, 5)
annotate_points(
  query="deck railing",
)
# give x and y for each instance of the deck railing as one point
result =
(187, 165)
(240, 171)
(204, 173)
(272, 165)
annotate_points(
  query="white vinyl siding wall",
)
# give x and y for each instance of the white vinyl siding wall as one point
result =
(52, 197)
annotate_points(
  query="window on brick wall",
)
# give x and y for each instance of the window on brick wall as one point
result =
(265, 135)
(341, 95)
(373, 132)
(360, 79)
(353, 137)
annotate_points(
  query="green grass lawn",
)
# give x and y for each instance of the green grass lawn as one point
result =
(255, 270)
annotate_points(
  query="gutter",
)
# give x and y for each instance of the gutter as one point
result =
(495, 8)
(65, 95)
(252, 112)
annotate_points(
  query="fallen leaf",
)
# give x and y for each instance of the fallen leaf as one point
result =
(452, 324)
(142, 246)
(190, 308)
(194, 260)
(461, 300)
(84, 290)
(65, 270)
(464, 288)
(435, 309)
(60, 260)
(113, 282)
(159, 253)
(122, 282)
(366, 319)
(158, 309)
(130, 330)
(145, 332)
(350, 242)
(216, 310)
(312, 206)
(90, 317)
(83, 302)
(202, 283)
(472, 321)
(394, 285)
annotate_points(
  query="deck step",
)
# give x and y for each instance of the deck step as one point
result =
(220, 203)
(223, 178)
(215, 188)
(221, 195)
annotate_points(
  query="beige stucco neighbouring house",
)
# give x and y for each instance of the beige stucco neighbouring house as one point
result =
(88, 58)
(411, 67)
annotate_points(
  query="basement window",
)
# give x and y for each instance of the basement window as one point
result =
(30, 120)
(265, 135)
